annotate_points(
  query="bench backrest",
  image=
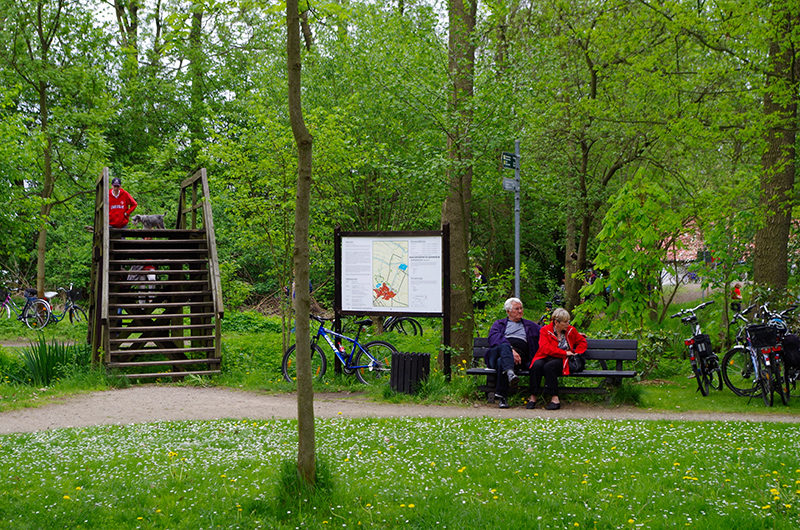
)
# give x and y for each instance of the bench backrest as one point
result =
(599, 349)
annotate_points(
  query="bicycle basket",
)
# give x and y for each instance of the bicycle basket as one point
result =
(702, 344)
(75, 295)
(762, 336)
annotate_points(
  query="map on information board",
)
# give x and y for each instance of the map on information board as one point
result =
(391, 273)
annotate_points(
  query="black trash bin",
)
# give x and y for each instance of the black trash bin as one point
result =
(408, 369)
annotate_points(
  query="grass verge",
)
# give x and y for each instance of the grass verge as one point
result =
(413, 473)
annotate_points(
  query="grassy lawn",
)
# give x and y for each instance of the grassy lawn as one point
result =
(413, 473)
(410, 473)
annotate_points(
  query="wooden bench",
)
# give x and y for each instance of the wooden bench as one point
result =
(604, 361)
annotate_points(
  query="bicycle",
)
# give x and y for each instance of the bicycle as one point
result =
(35, 313)
(782, 376)
(755, 366)
(705, 363)
(737, 366)
(547, 316)
(370, 362)
(762, 344)
(404, 325)
(75, 312)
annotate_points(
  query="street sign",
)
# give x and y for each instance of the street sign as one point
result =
(509, 160)
(509, 184)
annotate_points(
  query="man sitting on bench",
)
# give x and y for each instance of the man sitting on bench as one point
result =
(513, 341)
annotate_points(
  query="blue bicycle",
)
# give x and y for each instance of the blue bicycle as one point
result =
(370, 362)
(71, 308)
(35, 313)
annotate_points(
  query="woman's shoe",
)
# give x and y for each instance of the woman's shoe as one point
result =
(530, 405)
(553, 406)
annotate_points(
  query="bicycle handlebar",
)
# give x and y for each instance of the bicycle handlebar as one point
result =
(691, 311)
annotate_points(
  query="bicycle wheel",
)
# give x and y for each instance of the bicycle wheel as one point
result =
(318, 363)
(737, 372)
(698, 367)
(406, 326)
(713, 372)
(77, 315)
(36, 315)
(764, 378)
(376, 362)
(778, 382)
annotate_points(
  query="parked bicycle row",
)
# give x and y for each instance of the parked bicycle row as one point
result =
(764, 361)
(37, 313)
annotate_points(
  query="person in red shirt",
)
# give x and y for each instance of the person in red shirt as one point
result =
(557, 341)
(120, 204)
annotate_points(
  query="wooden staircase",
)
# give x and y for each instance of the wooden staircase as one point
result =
(156, 301)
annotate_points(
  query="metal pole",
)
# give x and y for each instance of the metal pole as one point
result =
(516, 221)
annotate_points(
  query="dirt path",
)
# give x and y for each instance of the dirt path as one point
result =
(148, 403)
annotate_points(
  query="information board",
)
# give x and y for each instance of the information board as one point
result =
(391, 274)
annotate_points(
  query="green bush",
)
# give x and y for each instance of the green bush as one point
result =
(43, 363)
(10, 366)
(249, 322)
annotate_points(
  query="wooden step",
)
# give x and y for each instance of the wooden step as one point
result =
(163, 363)
(142, 243)
(170, 374)
(157, 262)
(167, 272)
(159, 253)
(165, 351)
(128, 283)
(169, 232)
(155, 292)
(111, 307)
(170, 338)
(163, 316)
(141, 329)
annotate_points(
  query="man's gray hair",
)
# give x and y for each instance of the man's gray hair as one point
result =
(510, 302)
(561, 315)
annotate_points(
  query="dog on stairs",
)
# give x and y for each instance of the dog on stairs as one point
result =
(149, 222)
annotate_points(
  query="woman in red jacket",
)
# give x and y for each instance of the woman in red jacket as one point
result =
(557, 341)
(120, 205)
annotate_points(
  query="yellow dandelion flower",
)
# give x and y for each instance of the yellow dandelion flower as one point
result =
(630, 521)
(410, 505)
(767, 507)
(66, 497)
(78, 488)
(462, 469)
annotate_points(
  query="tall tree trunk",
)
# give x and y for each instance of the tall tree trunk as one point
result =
(197, 74)
(778, 160)
(306, 459)
(456, 207)
(127, 14)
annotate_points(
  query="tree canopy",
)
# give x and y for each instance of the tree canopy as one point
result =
(635, 118)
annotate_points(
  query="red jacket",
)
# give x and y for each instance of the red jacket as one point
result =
(120, 208)
(548, 343)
